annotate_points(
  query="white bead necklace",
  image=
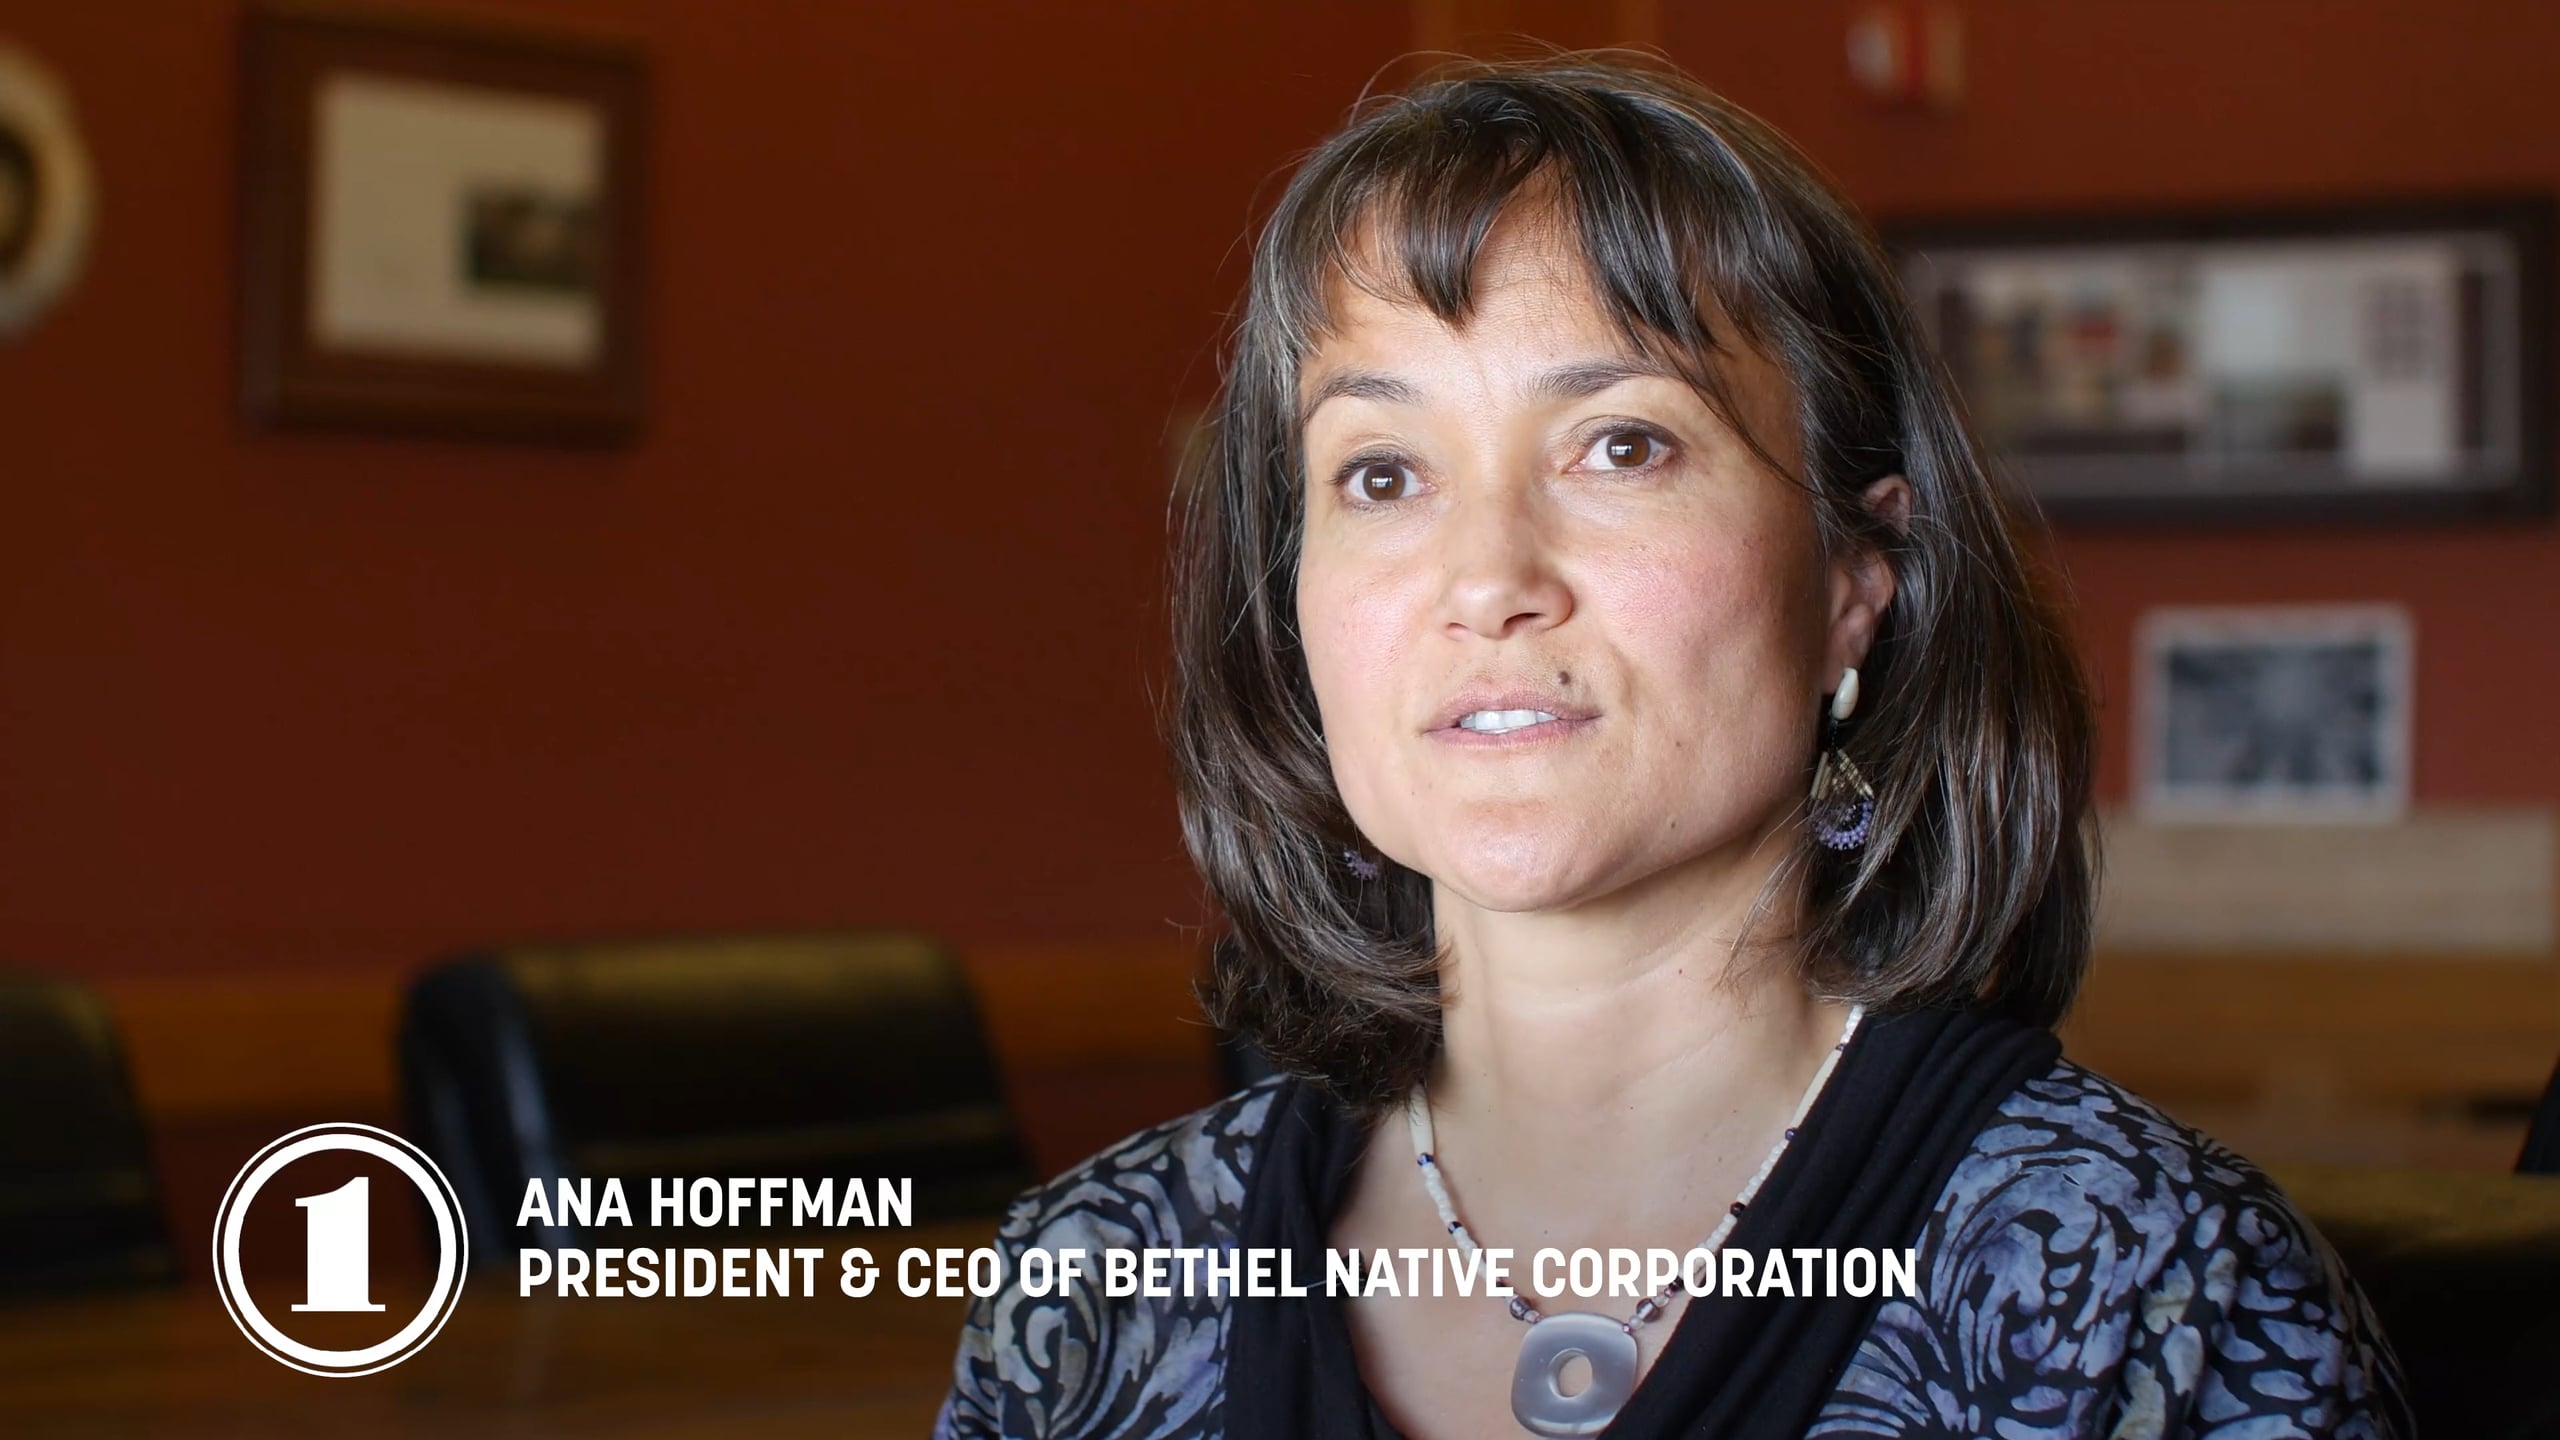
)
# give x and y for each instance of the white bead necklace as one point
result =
(1538, 1400)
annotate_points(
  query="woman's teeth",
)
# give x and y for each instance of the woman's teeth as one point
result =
(1498, 722)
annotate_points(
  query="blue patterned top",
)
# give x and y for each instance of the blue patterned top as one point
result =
(2091, 1269)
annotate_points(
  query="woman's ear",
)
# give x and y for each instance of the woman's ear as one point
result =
(1889, 500)
(1862, 580)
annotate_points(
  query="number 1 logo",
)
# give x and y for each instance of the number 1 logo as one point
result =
(338, 1249)
(337, 1265)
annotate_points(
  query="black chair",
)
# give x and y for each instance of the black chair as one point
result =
(854, 1056)
(79, 1202)
(2541, 1155)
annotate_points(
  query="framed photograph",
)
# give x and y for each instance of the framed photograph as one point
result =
(2272, 713)
(2332, 364)
(443, 228)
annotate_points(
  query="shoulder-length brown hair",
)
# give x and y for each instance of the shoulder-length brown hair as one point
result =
(1975, 887)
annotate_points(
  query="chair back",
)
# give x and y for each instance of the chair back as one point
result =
(839, 1057)
(79, 1197)
(2541, 1155)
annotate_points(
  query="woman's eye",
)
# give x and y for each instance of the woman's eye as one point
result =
(1624, 450)
(1380, 481)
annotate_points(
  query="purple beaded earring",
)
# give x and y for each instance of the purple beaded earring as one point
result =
(1361, 865)
(1844, 804)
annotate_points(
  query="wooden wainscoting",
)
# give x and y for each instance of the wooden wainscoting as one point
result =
(219, 1045)
(2381, 1060)
(2426, 1060)
(1095, 1041)
(2416, 1033)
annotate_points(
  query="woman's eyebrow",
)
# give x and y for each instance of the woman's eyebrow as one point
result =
(1574, 380)
(1359, 384)
(1582, 379)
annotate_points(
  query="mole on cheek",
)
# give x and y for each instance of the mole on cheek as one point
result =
(1564, 677)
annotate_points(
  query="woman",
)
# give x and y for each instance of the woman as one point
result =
(1646, 778)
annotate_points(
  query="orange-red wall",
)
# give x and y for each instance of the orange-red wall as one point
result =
(860, 632)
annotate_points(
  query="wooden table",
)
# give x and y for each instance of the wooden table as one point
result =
(172, 1363)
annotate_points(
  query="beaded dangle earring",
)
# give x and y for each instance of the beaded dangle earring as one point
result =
(1844, 804)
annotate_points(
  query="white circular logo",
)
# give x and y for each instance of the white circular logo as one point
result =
(337, 1244)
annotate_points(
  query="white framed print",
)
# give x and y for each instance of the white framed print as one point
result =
(444, 226)
(2289, 714)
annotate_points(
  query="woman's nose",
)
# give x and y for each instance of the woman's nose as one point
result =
(1499, 564)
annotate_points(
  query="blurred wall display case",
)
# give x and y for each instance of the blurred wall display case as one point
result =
(2370, 362)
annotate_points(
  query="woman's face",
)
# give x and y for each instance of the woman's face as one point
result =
(1523, 519)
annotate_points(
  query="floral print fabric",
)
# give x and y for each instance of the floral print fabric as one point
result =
(2091, 1269)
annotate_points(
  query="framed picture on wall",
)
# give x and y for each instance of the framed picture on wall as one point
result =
(2272, 713)
(2384, 361)
(443, 228)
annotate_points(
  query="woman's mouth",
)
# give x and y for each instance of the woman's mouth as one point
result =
(1502, 722)
(1510, 728)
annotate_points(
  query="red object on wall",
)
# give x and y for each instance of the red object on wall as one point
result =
(1908, 52)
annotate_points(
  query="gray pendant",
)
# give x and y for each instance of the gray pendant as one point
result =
(1538, 1400)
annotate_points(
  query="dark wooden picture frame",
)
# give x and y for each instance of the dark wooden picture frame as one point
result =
(2492, 416)
(589, 286)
